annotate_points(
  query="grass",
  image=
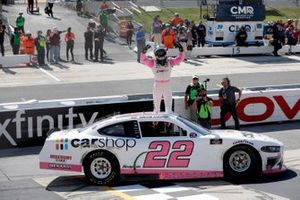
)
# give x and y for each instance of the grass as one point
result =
(194, 14)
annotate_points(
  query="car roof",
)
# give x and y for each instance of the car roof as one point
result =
(140, 115)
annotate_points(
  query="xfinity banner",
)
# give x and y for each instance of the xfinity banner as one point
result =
(241, 13)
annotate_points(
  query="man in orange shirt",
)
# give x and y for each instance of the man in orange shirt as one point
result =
(176, 20)
(28, 44)
(168, 37)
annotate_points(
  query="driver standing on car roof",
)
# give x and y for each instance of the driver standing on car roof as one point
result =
(162, 68)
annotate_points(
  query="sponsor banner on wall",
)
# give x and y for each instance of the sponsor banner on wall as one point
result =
(240, 12)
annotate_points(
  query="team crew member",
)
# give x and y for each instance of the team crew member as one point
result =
(28, 44)
(201, 33)
(70, 38)
(40, 44)
(99, 40)
(16, 41)
(162, 68)
(191, 93)
(88, 43)
(176, 20)
(140, 42)
(168, 37)
(204, 108)
(20, 22)
(241, 37)
(130, 31)
(50, 6)
(228, 102)
(2, 33)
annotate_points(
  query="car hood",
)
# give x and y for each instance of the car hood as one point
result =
(244, 135)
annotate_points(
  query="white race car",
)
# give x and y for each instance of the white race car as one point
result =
(166, 146)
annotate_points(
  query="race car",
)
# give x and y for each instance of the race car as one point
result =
(165, 146)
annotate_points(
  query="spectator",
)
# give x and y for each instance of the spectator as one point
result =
(204, 108)
(241, 37)
(130, 30)
(277, 43)
(291, 38)
(156, 30)
(281, 32)
(189, 43)
(168, 37)
(191, 93)
(104, 5)
(88, 43)
(30, 5)
(201, 34)
(140, 41)
(228, 102)
(103, 17)
(55, 45)
(2, 34)
(48, 43)
(50, 6)
(28, 44)
(20, 22)
(182, 38)
(176, 20)
(194, 32)
(99, 40)
(69, 39)
(15, 41)
(40, 44)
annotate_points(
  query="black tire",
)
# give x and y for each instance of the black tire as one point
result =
(250, 165)
(101, 168)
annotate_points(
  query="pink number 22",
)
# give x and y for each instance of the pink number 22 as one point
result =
(178, 157)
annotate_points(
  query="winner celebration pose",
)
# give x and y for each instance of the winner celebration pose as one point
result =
(161, 67)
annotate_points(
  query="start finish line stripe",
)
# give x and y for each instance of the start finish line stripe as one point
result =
(49, 74)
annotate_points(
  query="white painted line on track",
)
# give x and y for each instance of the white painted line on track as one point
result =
(49, 74)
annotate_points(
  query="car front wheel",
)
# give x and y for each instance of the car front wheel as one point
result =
(101, 168)
(240, 162)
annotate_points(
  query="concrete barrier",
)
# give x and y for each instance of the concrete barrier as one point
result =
(27, 123)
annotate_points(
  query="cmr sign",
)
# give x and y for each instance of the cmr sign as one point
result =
(242, 10)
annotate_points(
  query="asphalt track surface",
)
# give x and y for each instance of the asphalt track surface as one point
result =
(20, 178)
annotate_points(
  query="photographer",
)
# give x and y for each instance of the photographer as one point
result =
(191, 93)
(228, 102)
(204, 108)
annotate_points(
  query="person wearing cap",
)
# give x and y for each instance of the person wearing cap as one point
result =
(190, 96)
(204, 106)
(40, 44)
(140, 41)
(28, 43)
(168, 37)
(176, 20)
(161, 67)
(20, 22)
(229, 102)
(15, 41)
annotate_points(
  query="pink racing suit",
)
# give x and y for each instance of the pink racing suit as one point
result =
(162, 76)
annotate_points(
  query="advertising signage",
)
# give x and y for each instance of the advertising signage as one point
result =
(241, 13)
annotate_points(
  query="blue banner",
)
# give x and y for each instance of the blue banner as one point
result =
(241, 13)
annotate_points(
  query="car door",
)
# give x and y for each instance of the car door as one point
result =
(167, 148)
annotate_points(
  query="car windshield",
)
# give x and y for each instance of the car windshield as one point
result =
(194, 126)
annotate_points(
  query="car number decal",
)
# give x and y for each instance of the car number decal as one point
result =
(179, 156)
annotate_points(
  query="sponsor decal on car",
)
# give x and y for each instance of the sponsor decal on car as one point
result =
(216, 141)
(242, 142)
(103, 143)
(61, 144)
(60, 158)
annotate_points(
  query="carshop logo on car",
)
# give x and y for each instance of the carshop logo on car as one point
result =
(103, 143)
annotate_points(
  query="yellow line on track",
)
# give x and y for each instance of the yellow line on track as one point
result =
(117, 193)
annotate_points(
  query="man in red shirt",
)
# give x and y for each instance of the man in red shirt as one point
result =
(176, 20)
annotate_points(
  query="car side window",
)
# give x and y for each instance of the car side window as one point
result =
(161, 129)
(123, 129)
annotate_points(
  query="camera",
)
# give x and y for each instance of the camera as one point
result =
(206, 80)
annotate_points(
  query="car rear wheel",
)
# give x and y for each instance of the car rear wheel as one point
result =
(101, 168)
(240, 162)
